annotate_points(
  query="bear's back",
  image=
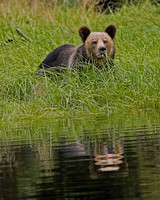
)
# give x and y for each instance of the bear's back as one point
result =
(58, 57)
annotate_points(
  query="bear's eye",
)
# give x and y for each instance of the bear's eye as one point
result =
(105, 41)
(94, 42)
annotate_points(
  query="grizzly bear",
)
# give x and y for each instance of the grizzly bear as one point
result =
(97, 48)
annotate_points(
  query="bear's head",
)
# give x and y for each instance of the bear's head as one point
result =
(98, 45)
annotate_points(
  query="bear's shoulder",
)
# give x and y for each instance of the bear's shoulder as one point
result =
(78, 56)
(58, 57)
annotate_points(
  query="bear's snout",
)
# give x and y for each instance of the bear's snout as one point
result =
(101, 52)
(102, 49)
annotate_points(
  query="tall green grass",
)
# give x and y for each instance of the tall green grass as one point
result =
(134, 84)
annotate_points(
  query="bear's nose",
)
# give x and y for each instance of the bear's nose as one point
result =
(102, 49)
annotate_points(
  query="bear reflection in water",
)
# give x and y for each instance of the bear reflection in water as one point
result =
(109, 157)
(102, 157)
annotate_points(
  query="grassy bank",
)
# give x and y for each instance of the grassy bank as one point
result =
(134, 85)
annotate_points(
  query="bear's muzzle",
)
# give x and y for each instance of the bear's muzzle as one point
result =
(102, 52)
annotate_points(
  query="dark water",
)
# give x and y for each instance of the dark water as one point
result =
(96, 163)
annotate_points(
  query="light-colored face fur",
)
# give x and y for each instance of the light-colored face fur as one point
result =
(98, 45)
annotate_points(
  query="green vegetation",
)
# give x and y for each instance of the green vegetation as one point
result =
(134, 85)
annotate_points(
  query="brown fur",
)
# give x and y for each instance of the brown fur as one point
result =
(99, 45)
(97, 48)
(94, 42)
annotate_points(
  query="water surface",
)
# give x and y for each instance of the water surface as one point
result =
(96, 161)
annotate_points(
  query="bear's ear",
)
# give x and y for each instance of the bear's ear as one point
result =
(84, 32)
(111, 30)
